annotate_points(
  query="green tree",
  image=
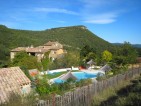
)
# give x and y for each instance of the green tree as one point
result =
(68, 60)
(85, 51)
(128, 51)
(98, 59)
(73, 38)
(90, 56)
(126, 54)
(42, 86)
(22, 59)
(106, 56)
(72, 58)
(45, 61)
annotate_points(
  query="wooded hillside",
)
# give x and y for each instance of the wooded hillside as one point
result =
(73, 37)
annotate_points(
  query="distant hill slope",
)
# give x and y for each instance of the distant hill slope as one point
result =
(137, 45)
(74, 36)
(134, 45)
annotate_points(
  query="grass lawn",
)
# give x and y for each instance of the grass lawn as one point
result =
(50, 76)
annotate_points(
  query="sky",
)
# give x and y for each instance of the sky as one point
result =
(115, 21)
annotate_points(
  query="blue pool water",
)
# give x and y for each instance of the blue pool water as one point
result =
(79, 76)
(84, 75)
(58, 80)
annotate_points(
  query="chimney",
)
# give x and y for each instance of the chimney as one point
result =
(31, 46)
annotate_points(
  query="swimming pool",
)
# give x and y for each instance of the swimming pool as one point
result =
(79, 76)
(84, 75)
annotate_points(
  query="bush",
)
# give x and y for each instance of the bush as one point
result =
(83, 82)
(19, 100)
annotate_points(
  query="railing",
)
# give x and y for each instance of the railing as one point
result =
(83, 96)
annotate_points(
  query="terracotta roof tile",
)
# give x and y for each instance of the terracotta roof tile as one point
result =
(36, 50)
(40, 49)
(11, 80)
(19, 49)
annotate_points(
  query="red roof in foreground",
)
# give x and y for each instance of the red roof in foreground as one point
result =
(11, 81)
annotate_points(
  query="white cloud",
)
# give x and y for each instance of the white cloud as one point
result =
(101, 11)
(104, 18)
(100, 21)
(55, 10)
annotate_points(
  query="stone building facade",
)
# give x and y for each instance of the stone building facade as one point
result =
(55, 49)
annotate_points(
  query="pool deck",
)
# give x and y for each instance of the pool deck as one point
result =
(93, 71)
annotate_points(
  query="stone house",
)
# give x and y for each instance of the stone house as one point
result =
(55, 49)
(13, 81)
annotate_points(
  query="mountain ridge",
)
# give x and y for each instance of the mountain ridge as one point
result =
(73, 36)
(54, 34)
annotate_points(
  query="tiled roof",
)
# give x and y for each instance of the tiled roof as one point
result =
(19, 49)
(30, 49)
(11, 81)
(40, 49)
(36, 50)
